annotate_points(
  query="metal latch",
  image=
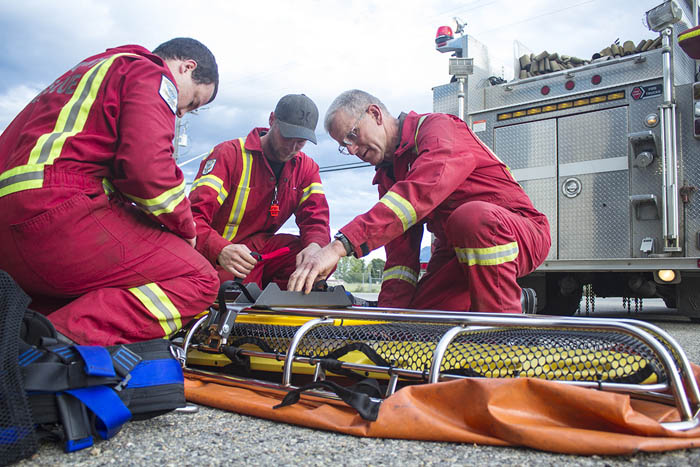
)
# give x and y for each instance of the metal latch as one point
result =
(648, 246)
(643, 144)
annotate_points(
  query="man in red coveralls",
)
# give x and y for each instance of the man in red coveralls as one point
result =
(247, 188)
(93, 212)
(431, 169)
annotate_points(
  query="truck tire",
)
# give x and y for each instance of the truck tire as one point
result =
(563, 295)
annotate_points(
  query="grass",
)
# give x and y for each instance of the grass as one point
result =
(362, 288)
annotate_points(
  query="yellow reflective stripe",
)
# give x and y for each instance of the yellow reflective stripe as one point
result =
(71, 120)
(490, 256)
(401, 207)
(213, 182)
(688, 35)
(415, 138)
(242, 192)
(23, 177)
(164, 203)
(313, 189)
(402, 273)
(160, 306)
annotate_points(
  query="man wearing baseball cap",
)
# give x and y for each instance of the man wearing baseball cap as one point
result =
(247, 188)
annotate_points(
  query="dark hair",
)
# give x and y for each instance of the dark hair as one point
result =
(185, 48)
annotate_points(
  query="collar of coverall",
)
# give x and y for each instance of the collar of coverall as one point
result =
(406, 132)
(386, 164)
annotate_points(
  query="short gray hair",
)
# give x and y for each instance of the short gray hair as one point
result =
(352, 102)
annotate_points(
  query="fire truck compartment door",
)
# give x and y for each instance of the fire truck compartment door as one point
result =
(529, 149)
(593, 179)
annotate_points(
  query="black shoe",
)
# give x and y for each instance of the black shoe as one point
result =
(528, 301)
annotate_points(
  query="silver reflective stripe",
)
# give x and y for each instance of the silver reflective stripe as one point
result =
(170, 319)
(72, 117)
(164, 205)
(489, 256)
(38, 175)
(402, 273)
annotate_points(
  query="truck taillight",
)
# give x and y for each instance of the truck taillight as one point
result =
(545, 90)
(569, 85)
(596, 79)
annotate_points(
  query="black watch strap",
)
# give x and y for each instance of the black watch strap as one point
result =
(346, 243)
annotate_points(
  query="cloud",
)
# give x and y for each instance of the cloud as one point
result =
(13, 100)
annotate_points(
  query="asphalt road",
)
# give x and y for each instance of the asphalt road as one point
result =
(215, 437)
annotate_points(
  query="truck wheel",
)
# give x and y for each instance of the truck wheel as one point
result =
(560, 303)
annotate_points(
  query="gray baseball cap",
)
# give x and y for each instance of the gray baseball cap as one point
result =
(297, 116)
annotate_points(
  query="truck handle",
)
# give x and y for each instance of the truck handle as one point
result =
(640, 201)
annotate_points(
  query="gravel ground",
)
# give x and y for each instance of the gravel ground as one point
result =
(215, 437)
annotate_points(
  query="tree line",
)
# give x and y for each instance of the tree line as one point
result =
(356, 270)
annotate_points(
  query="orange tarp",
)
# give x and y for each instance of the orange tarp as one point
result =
(505, 412)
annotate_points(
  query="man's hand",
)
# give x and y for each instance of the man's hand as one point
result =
(193, 241)
(316, 266)
(237, 260)
(305, 254)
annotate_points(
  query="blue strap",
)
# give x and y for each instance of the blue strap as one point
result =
(98, 361)
(156, 372)
(109, 409)
(29, 356)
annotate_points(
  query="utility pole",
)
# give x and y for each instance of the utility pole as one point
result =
(178, 128)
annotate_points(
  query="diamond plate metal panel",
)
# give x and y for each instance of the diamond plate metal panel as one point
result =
(544, 198)
(445, 99)
(593, 135)
(645, 181)
(529, 146)
(595, 224)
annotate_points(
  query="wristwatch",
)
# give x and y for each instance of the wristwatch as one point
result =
(346, 243)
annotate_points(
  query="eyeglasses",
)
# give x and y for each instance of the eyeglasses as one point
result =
(351, 137)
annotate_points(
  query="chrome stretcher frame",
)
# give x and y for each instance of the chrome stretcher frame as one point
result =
(680, 390)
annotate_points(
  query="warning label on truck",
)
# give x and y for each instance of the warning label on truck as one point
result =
(646, 92)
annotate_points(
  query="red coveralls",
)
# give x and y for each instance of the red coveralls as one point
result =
(231, 199)
(105, 126)
(487, 233)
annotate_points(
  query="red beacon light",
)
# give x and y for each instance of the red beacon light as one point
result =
(444, 34)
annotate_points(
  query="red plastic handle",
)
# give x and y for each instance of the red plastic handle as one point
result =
(274, 254)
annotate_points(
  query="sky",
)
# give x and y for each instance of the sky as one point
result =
(267, 49)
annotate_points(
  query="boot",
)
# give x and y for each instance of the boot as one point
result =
(528, 301)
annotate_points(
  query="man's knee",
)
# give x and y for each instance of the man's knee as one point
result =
(207, 280)
(472, 220)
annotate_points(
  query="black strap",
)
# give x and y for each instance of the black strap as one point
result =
(366, 406)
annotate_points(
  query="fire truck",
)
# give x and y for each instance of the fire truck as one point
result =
(609, 151)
